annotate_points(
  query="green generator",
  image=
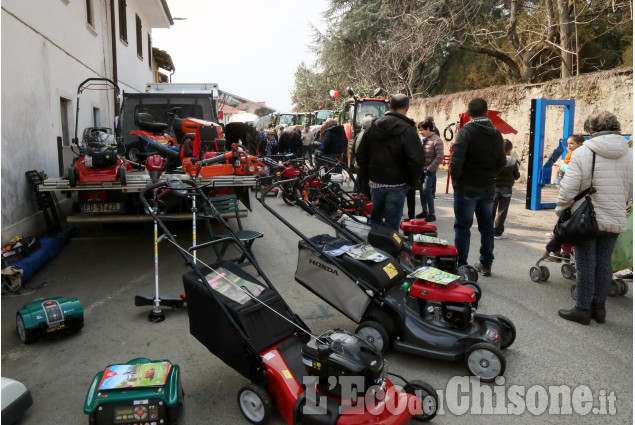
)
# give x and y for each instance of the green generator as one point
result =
(49, 317)
(139, 392)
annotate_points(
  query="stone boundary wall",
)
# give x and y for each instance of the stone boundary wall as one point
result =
(606, 90)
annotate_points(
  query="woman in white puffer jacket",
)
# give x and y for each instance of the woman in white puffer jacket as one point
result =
(613, 180)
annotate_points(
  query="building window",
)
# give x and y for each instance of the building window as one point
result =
(149, 51)
(139, 42)
(123, 22)
(65, 107)
(90, 17)
(96, 118)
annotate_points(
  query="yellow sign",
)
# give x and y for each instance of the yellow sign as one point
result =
(397, 237)
(287, 374)
(390, 270)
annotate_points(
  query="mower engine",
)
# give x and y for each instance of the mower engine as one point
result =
(338, 353)
(99, 147)
(450, 305)
(442, 257)
(417, 225)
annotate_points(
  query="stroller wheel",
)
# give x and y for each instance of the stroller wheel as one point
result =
(574, 291)
(535, 273)
(508, 331)
(614, 288)
(545, 273)
(624, 290)
(375, 334)
(468, 272)
(255, 403)
(485, 361)
(428, 397)
(568, 272)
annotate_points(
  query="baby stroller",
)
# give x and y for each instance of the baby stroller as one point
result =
(540, 273)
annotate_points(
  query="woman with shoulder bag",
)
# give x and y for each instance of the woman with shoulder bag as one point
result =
(605, 164)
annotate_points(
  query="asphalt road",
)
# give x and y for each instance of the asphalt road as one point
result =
(105, 266)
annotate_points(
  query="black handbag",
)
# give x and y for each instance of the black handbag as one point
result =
(580, 226)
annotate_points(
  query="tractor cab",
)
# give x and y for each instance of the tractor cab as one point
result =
(357, 108)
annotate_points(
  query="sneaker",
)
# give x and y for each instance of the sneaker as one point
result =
(501, 236)
(422, 215)
(431, 218)
(628, 275)
(482, 269)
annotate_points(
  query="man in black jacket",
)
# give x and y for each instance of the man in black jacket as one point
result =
(390, 156)
(333, 141)
(477, 157)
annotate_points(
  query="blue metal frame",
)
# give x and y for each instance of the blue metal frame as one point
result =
(539, 145)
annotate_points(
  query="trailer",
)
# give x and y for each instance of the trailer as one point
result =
(118, 201)
(122, 201)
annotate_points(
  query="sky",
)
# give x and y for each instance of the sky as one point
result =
(251, 48)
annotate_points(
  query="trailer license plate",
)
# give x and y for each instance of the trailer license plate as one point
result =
(102, 207)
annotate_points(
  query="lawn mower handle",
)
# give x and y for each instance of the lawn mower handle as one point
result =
(330, 161)
(276, 184)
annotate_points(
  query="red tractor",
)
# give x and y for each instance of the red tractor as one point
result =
(358, 108)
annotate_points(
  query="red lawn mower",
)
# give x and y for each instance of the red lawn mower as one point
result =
(242, 319)
(98, 156)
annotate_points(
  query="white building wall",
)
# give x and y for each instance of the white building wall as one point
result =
(133, 72)
(48, 49)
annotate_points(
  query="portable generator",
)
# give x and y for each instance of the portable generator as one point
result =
(49, 317)
(141, 391)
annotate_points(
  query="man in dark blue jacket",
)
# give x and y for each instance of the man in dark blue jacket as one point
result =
(391, 157)
(477, 157)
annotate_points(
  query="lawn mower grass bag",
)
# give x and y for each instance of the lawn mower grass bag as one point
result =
(316, 272)
(223, 333)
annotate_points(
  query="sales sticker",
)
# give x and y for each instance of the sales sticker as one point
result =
(390, 270)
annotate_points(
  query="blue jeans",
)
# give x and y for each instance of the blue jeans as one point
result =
(466, 204)
(427, 196)
(594, 270)
(388, 205)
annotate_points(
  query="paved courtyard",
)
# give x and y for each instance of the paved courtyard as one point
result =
(106, 266)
